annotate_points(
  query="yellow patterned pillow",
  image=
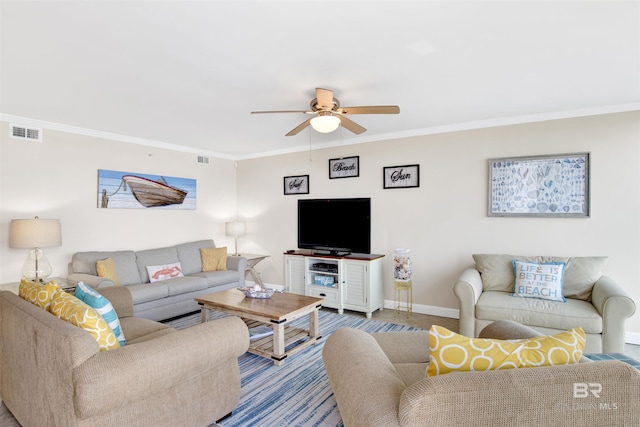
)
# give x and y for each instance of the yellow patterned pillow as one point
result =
(37, 293)
(213, 259)
(107, 268)
(452, 352)
(69, 308)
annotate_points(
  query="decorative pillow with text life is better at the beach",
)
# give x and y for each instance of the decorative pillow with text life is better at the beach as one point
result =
(538, 280)
(451, 352)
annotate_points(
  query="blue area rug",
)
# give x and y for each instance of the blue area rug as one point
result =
(297, 393)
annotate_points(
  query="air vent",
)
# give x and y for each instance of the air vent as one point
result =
(23, 132)
(203, 160)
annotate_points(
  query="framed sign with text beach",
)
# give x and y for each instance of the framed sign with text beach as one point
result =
(344, 167)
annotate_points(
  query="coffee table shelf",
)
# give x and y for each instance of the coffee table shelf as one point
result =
(277, 312)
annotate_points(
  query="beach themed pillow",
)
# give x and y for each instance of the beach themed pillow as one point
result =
(71, 309)
(36, 293)
(451, 352)
(538, 280)
(214, 259)
(164, 272)
(102, 305)
(107, 268)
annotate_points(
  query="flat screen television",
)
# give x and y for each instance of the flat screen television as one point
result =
(337, 226)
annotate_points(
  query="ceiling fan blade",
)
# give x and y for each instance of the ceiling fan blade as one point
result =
(298, 128)
(351, 125)
(324, 98)
(283, 111)
(372, 109)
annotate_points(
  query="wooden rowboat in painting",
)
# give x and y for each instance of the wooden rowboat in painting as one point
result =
(153, 193)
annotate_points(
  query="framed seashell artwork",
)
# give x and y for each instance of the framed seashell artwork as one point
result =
(540, 186)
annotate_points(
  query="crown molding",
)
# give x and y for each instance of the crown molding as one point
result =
(456, 127)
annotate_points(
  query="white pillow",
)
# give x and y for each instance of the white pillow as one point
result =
(538, 280)
(164, 272)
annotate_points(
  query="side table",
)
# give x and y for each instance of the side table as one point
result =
(252, 260)
(64, 285)
(400, 287)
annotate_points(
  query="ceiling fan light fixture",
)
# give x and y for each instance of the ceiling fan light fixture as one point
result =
(325, 123)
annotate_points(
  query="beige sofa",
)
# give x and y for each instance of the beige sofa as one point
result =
(380, 380)
(52, 373)
(593, 301)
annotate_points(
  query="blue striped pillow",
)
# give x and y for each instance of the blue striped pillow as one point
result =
(102, 305)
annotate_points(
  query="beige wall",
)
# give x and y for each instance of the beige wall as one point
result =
(58, 179)
(445, 221)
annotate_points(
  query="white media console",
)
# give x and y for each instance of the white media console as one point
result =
(353, 282)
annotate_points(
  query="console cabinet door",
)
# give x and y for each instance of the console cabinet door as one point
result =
(356, 283)
(295, 274)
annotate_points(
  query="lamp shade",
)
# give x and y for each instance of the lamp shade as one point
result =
(34, 233)
(325, 124)
(235, 228)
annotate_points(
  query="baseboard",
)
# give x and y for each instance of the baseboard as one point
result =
(428, 309)
(632, 338)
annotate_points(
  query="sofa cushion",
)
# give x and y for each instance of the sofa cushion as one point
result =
(494, 305)
(189, 255)
(125, 261)
(35, 293)
(143, 292)
(152, 257)
(71, 309)
(181, 285)
(102, 305)
(107, 268)
(164, 272)
(138, 327)
(219, 278)
(214, 259)
(451, 352)
(538, 280)
(579, 276)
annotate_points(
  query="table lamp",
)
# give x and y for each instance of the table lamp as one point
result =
(35, 234)
(236, 229)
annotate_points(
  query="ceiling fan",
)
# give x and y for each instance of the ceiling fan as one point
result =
(328, 114)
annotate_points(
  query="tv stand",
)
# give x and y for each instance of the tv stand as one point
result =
(345, 281)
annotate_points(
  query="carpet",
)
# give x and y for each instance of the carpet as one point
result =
(297, 393)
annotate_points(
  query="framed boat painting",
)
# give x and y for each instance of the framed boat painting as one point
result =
(540, 186)
(127, 190)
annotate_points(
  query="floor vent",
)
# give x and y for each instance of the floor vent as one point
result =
(23, 132)
(203, 160)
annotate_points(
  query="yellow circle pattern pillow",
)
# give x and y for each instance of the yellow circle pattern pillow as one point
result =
(36, 293)
(69, 308)
(451, 352)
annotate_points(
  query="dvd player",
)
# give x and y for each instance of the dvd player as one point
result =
(324, 266)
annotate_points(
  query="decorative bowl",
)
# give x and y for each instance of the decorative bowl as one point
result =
(256, 293)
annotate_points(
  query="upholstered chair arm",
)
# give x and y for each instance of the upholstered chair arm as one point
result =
(468, 290)
(120, 298)
(527, 396)
(88, 279)
(365, 383)
(615, 305)
(238, 263)
(112, 378)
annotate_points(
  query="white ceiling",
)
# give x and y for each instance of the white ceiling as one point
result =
(187, 74)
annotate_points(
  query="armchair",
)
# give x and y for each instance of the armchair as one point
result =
(593, 301)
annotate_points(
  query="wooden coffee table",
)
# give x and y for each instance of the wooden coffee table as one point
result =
(277, 311)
